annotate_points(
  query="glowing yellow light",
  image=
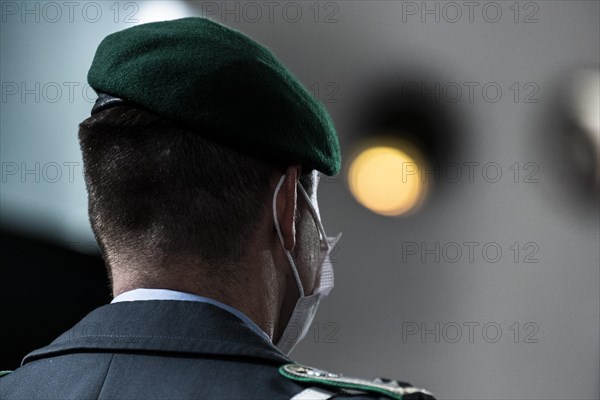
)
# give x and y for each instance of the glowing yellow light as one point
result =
(386, 180)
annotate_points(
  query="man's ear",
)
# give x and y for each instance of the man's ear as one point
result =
(286, 206)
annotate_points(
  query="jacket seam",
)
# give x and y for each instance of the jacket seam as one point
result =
(106, 375)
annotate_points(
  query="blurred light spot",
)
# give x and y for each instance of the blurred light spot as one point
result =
(153, 11)
(586, 102)
(584, 110)
(387, 180)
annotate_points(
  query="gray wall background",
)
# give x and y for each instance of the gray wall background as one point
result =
(381, 291)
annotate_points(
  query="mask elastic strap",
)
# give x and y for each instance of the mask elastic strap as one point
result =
(326, 270)
(287, 253)
(314, 213)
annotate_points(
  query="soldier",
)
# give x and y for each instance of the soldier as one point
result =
(201, 161)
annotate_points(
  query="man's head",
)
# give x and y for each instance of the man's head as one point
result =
(172, 209)
(195, 126)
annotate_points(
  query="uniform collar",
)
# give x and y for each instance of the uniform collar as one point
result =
(184, 327)
(144, 294)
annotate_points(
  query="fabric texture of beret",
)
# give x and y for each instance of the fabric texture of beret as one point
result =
(222, 84)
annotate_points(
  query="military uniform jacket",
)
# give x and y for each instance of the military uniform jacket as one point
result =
(161, 350)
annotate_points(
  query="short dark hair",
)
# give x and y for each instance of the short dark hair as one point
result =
(163, 194)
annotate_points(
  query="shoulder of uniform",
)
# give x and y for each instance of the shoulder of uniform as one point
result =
(340, 384)
(2, 373)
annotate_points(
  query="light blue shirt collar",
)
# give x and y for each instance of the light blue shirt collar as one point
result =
(167, 294)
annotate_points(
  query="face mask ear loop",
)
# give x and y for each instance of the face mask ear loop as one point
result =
(330, 242)
(287, 253)
(314, 213)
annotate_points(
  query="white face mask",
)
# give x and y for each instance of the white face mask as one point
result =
(306, 306)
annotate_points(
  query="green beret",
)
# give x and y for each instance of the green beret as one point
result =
(218, 81)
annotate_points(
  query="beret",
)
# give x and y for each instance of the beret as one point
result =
(220, 83)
